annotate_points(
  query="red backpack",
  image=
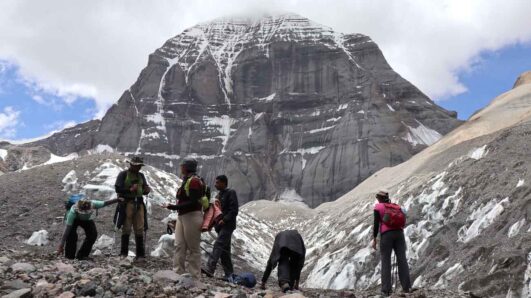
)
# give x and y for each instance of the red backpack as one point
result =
(393, 216)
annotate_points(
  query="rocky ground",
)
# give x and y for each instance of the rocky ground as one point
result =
(37, 272)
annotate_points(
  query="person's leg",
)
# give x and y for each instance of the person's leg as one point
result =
(400, 249)
(126, 228)
(138, 226)
(91, 234)
(180, 246)
(386, 248)
(71, 242)
(226, 257)
(293, 269)
(284, 270)
(192, 233)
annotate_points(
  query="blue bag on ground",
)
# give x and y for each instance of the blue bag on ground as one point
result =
(246, 279)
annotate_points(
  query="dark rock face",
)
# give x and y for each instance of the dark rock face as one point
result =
(281, 105)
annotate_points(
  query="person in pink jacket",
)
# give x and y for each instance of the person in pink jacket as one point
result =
(389, 222)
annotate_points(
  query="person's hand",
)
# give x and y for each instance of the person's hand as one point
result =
(263, 286)
(374, 243)
(134, 187)
(147, 190)
(221, 222)
(60, 250)
(165, 205)
(120, 199)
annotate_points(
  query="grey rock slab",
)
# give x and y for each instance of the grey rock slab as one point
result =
(164, 276)
(22, 293)
(23, 267)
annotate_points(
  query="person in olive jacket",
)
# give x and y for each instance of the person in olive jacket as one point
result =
(224, 228)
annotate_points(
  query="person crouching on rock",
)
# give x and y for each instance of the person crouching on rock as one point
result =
(288, 253)
(190, 219)
(80, 215)
(132, 185)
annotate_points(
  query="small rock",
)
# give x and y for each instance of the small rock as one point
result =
(294, 295)
(67, 295)
(16, 284)
(22, 293)
(23, 267)
(65, 268)
(163, 276)
(4, 259)
(97, 271)
(88, 289)
(222, 295)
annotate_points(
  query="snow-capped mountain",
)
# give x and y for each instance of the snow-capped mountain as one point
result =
(288, 108)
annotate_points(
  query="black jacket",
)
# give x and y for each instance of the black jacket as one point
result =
(229, 207)
(119, 214)
(290, 240)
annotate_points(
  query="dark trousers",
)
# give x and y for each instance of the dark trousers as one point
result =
(288, 268)
(222, 250)
(91, 234)
(394, 241)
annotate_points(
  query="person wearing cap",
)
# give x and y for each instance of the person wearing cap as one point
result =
(190, 219)
(391, 238)
(81, 215)
(132, 185)
(224, 228)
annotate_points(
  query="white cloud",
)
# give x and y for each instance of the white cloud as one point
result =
(8, 121)
(97, 48)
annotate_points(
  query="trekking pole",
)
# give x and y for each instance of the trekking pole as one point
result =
(393, 281)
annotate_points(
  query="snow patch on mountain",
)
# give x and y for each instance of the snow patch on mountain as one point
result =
(520, 183)
(421, 135)
(55, 159)
(515, 228)
(481, 218)
(3, 154)
(478, 153)
(291, 195)
(449, 275)
(100, 148)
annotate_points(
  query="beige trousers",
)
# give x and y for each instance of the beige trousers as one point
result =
(188, 239)
(133, 218)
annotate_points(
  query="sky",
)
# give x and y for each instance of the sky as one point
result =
(64, 62)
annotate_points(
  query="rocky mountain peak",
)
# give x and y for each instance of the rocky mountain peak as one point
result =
(288, 108)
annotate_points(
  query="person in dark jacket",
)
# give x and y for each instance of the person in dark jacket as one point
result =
(391, 239)
(224, 228)
(190, 219)
(81, 215)
(288, 253)
(132, 185)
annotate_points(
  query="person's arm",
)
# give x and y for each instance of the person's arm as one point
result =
(267, 272)
(146, 187)
(230, 214)
(297, 276)
(119, 185)
(376, 228)
(69, 222)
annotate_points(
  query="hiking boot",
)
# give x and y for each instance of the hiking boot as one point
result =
(140, 249)
(285, 287)
(207, 272)
(124, 250)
